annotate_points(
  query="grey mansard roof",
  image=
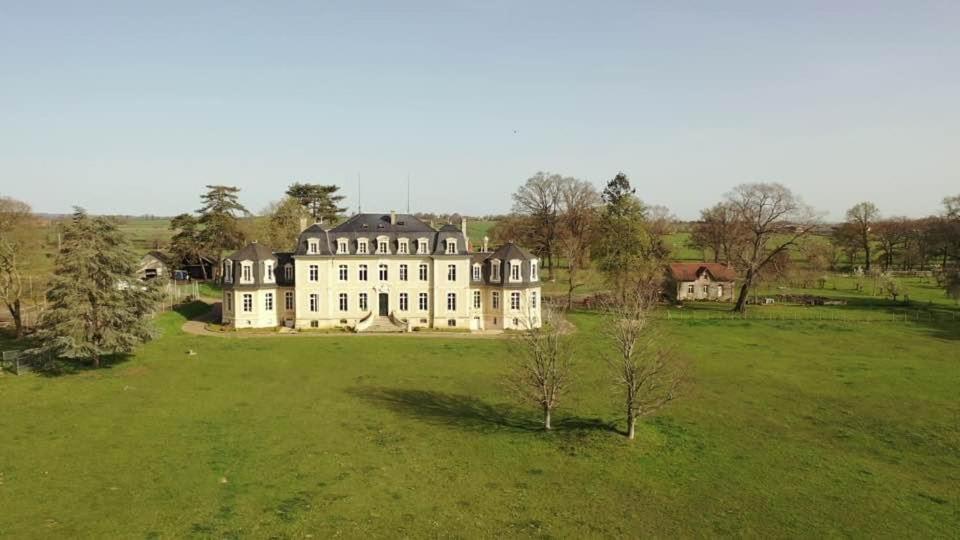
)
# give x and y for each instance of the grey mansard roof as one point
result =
(372, 226)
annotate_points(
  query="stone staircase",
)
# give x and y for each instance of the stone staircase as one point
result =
(383, 324)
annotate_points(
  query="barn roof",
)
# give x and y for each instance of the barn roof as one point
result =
(692, 271)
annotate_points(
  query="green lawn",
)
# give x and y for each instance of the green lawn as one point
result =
(789, 429)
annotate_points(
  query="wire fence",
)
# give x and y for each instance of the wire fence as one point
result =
(893, 316)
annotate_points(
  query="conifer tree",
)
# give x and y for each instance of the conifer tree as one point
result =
(320, 200)
(218, 217)
(97, 306)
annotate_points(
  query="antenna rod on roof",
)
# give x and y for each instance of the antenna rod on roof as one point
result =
(408, 193)
(359, 200)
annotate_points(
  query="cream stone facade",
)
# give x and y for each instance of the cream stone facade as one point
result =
(382, 273)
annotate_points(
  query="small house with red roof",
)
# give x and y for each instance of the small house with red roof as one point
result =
(700, 281)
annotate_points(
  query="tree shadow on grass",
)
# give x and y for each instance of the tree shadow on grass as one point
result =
(468, 412)
(68, 366)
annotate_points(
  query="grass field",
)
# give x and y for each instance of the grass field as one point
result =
(788, 429)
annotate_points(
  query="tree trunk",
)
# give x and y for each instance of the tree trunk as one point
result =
(741, 306)
(631, 424)
(96, 361)
(16, 311)
(546, 418)
(866, 250)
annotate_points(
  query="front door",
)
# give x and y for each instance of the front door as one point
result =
(384, 304)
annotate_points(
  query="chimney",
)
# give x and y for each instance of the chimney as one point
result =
(303, 224)
(463, 226)
(393, 217)
(486, 240)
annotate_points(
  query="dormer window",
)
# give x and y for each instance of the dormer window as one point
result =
(534, 276)
(422, 246)
(451, 246)
(268, 271)
(342, 246)
(476, 272)
(288, 272)
(383, 245)
(514, 270)
(495, 270)
(313, 246)
(228, 271)
(403, 246)
(362, 246)
(246, 273)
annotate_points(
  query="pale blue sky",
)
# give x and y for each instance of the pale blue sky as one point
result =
(126, 108)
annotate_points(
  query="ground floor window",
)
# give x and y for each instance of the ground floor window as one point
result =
(229, 301)
(268, 301)
(314, 324)
(248, 302)
(495, 300)
(514, 300)
(404, 301)
(343, 301)
(706, 290)
(363, 301)
(451, 322)
(314, 302)
(288, 303)
(423, 303)
(451, 301)
(719, 291)
(690, 288)
(533, 300)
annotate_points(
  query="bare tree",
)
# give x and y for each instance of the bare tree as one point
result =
(719, 231)
(861, 218)
(774, 220)
(19, 251)
(645, 373)
(579, 202)
(539, 200)
(542, 371)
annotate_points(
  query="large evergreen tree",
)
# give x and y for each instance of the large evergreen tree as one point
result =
(97, 306)
(321, 201)
(219, 218)
(187, 243)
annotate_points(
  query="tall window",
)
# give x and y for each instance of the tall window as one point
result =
(362, 246)
(228, 271)
(495, 270)
(495, 300)
(534, 275)
(383, 272)
(422, 246)
(247, 273)
(268, 301)
(229, 301)
(383, 246)
(403, 246)
(514, 272)
(719, 291)
(313, 246)
(403, 272)
(451, 246)
(342, 270)
(451, 272)
(363, 301)
(288, 300)
(451, 301)
(288, 272)
(533, 300)
(706, 290)
(690, 288)
(248, 303)
(423, 272)
(314, 303)
(476, 299)
(268, 271)
(342, 246)
(314, 272)
(404, 301)
(343, 301)
(476, 272)
(423, 303)
(514, 300)
(363, 272)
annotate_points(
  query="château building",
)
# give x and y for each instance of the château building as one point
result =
(377, 272)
